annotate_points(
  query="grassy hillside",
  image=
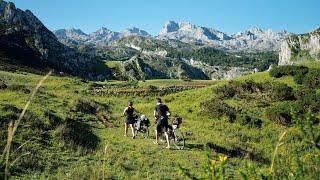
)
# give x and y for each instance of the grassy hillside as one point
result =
(74, 129)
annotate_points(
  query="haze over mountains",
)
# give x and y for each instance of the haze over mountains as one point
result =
(253, 39)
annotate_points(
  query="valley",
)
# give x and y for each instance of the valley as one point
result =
(249, 101)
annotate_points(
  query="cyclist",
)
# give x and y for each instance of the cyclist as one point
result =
(129, 112)
(161, 114)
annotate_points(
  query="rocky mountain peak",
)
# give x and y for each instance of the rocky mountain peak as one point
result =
(187, 32)
(102, 31)
(169, 26)
(255, 30)
(65, 33)
(134, 32)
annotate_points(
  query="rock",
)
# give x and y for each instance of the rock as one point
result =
(300, 48)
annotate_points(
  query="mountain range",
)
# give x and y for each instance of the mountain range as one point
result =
(253, 39)
(101, 37)
(181, 50)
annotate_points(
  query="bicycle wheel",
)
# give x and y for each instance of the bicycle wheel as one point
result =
(145, 131)
(179, 140)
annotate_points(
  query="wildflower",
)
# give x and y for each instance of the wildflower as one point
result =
(213, 164)
(223, 158)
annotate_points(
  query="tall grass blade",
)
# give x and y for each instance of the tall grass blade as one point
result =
(14, 126)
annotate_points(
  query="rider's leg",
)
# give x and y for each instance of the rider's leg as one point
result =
(125, 129)
(157, 136)
(132, 130)
(167, 138)
(158, 130)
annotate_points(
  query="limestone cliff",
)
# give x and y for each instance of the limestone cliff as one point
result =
(300, 48)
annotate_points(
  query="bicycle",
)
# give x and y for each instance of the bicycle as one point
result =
(141, 126)
(175, 135)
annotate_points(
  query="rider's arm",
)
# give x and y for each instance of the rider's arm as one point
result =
(125, 111)
(155, 114)
(168, 113)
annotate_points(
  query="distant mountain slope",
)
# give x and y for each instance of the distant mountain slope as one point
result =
(101, 37)
(187, 32)
(253, 39)
(300, 48)
(167, 56)
(25, 40)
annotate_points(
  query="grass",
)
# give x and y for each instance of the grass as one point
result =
(139, 158)
(112, 64)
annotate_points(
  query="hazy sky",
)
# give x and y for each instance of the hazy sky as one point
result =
(229, 16)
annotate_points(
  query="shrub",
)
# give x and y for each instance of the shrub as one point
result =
(90, 107)
(245, 119)
(308, 99)
(279, 91)
(281, 113)
(312, 79)
(77, 134)
(226, 91)
(288, 70)
(298, 78)
(236, 88)
(216, 108)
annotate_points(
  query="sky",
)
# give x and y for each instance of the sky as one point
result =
(229, 16)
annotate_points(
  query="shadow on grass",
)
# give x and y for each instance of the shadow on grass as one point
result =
(199, 147)
(238, 153)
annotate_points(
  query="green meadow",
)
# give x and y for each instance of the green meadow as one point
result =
(72, 131)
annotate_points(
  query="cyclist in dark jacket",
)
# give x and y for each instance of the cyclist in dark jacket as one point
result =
(161, 114)
(129, 112)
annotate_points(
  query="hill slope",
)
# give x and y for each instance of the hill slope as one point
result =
(65, 108)
(25, 40)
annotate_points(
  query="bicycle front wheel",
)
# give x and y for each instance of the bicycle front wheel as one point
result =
(179, 140)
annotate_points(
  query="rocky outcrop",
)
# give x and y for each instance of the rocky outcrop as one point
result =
(219, 72)
(25, 39)
(136, 69)
(145, 67)
(300, 48)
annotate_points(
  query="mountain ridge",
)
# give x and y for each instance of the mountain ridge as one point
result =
(27, 41)
(252, 39)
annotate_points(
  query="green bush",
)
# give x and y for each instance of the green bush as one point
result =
(298, 78)
(90, 107)
(288, 70)
(312, 79)
(236, 88)
(307, 99)
(217, 108)
(279, 91)
(281, 113)
(245, 119)
(77, 134)
(226, 91)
